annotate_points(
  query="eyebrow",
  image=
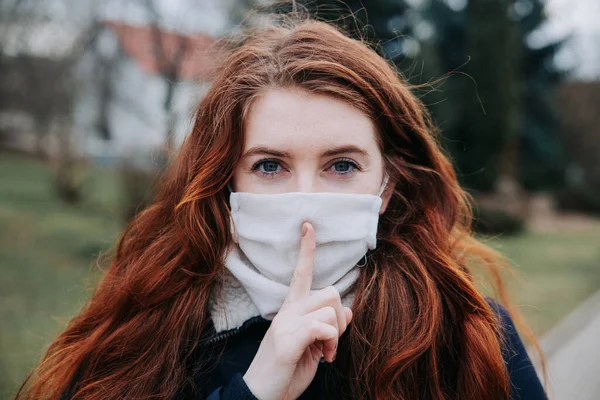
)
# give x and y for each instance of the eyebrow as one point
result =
(349, 149)
(266, 150)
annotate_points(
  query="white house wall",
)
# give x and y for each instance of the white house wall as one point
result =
(137, 120)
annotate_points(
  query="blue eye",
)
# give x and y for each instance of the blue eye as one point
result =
(268, 168)
(343, 167)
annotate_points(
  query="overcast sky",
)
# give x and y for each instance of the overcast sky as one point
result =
(209, 16)
(581, 18)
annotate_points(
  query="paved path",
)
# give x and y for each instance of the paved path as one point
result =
(572, 349)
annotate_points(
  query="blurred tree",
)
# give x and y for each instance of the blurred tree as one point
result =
(178, 56)
(499, 118)
(542, 158)
(41, 89)
(531, 151)
(385, 23)
(579, 105)
(489, 121)
(170, 56)
(38, 56)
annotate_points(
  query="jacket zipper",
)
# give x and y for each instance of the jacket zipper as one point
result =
(232, 332)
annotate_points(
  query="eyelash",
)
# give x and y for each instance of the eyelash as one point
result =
(352, 163)
(256, 166)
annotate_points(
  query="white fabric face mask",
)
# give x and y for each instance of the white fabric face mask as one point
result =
(267, 233)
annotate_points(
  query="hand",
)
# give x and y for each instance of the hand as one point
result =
(306, 327)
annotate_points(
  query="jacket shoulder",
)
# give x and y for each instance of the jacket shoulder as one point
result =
(525, 383)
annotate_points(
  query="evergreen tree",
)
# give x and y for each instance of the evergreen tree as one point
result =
(542, 159)
(495, 108)
(381, 22)
(527, 146)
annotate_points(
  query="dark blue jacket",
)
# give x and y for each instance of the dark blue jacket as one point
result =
(240, 345)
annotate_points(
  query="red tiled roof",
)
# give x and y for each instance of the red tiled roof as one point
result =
(139, 43)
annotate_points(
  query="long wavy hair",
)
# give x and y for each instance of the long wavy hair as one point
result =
(421, 329)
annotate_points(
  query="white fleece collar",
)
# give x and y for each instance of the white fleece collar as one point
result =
(233, 307)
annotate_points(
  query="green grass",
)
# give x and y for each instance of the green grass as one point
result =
(48, 251)
(556, 271)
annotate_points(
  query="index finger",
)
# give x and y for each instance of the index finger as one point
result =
(303, 273)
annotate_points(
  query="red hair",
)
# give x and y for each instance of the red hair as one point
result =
(421, 329)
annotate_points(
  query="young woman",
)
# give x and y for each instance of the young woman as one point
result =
(309, 241)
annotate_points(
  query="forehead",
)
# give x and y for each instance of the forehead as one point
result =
(295, 118)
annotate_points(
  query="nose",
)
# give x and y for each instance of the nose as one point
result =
(305, 182)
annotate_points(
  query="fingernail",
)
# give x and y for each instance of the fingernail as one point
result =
(334, 356)
(304, 229)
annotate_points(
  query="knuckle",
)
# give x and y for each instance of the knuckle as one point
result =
(314, 327)
(333, 335)
(331, 314)
(332, 318)
(332, 293)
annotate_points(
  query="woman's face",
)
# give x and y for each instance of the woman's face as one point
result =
(296, 141)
